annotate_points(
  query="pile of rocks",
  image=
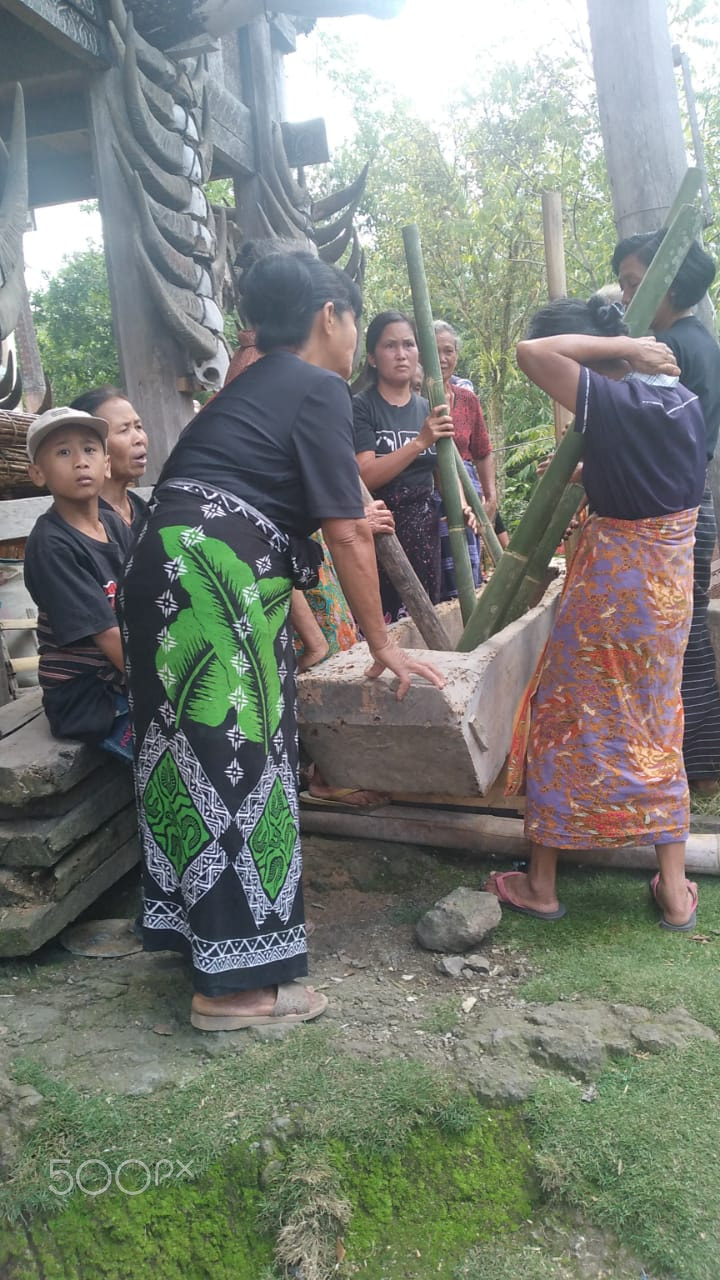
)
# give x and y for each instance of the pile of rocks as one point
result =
(68, 827)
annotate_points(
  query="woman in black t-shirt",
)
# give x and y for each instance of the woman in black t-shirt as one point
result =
(698, 356)
(395, 438)
(210, 664)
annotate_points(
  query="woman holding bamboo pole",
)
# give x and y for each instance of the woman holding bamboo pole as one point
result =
(473, 445)
(600, 728)
(395, 438)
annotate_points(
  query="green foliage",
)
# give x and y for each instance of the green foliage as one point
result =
(74, 326)
(474, 188)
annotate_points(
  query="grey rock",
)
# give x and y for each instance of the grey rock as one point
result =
(39, 842)
(478, 963)
(459, 921)
(451, 966)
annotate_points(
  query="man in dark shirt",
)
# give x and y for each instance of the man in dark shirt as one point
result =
(73, 560)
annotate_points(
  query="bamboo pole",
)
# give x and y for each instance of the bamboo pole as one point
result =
(533, 584)
(399, 570)
(556, 277)
(487, 532)
(497, 595)
(436, 395)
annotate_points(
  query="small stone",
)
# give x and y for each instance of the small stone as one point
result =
(163, 1029)
(469, 1004)
(451, 966)
(458, 921)
(478, 963)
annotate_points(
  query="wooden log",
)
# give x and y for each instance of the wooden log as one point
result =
(436, 395)
(399, 570)
(490, 836)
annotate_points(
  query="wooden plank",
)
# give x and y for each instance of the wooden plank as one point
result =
(21, 711)
(18, 624)
(491, 837)
(25, 664)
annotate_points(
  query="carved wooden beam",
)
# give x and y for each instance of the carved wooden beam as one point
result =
(78, 26)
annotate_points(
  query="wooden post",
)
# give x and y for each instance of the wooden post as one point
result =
(436, 395)
(150, 361)
(409, 587)
(556, 278)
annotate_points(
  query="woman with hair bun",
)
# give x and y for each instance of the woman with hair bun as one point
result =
(698, 356)
(204, 610)
(600, 728)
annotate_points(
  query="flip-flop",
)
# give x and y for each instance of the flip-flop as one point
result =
(340, 801)
(496, 884)
(691, 922)
(294, 1003)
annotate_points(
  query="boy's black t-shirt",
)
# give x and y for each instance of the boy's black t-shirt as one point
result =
(73, 580)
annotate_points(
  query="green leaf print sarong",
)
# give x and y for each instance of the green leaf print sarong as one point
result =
(204, 613)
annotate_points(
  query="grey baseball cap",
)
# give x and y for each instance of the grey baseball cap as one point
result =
(61, 417)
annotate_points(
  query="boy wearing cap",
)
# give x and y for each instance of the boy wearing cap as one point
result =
(73, 560)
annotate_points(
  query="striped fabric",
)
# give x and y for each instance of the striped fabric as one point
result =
(700, 695)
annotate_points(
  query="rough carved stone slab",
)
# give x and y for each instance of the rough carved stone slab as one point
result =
(453, 740)
(40, 842)
(33, 763)
(24, 929)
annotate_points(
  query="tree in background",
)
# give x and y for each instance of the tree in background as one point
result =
(74, 326)
(474, 189)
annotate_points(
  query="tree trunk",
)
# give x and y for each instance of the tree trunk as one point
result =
(641, 125)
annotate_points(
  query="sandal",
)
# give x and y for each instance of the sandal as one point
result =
(293, 1003)
(691, 921)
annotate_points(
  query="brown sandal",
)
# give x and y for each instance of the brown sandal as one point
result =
(294, 1003)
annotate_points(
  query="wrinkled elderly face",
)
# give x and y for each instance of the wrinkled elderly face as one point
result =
(127, 442)
(447, 352)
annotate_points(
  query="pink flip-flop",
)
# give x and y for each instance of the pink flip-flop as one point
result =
(496, 884)
(691, 922)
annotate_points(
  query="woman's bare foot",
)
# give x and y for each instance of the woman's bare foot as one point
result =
(518, 890)
(261, 1001)
(677, 901)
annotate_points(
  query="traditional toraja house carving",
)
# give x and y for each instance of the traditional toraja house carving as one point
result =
(138, 105)
(13, 219)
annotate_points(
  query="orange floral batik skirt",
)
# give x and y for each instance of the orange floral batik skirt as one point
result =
(599, 734)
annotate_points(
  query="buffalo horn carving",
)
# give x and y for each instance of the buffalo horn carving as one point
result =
(13, 218)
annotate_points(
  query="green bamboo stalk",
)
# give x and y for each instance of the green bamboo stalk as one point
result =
(496, 599)
(487, 531)
(436, 394)
(535, 577)
(688, 191)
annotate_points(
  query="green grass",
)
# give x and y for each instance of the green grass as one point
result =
(609, 947)
(643, 1159)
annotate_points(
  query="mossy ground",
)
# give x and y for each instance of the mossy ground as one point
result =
(386, 1163)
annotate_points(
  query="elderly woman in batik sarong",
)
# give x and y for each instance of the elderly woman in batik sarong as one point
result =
(210, 664)
(698, 356)
(601, 726)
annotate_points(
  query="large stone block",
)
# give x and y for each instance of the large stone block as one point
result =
(34, 764)
(26, 885)
(25, 928)
(453, 740)
(40, 841)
